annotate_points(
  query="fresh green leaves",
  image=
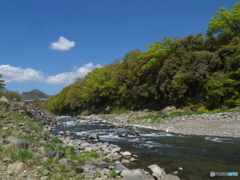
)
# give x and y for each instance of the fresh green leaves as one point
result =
(225, 21)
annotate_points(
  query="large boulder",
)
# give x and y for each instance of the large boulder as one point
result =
(2, 98)
(113, 157)
(157, 171)
(16, 168)
(18, 143)
(119, 167)
(136, 174)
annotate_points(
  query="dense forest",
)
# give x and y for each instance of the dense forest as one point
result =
(194, 71)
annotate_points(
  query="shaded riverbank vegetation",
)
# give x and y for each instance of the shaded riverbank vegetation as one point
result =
(194, 72)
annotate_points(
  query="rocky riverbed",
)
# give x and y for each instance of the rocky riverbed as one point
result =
(29, 151)
(224, 124)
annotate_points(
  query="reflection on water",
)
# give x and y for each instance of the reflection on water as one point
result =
(198, 156)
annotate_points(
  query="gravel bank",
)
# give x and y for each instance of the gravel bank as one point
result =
(225, 124)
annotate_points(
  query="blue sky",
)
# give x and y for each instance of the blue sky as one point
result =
(47, 44)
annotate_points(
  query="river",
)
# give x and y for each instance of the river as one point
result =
(197, 155)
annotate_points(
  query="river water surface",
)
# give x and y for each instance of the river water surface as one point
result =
(197, 155)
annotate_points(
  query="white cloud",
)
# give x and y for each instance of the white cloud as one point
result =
(69, 77)
(28, 75)
(62, 44)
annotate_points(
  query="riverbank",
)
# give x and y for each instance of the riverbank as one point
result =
(224, 124)
(29, 151)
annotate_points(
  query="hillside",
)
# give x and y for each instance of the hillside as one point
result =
(194, 72)
(35, 94)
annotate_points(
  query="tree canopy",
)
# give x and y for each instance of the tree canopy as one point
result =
(225, 21)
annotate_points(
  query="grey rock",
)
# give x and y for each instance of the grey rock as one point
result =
(18, 143)
(3, 168)
(125, 172)
(134, 133)
(126, 153)
(136, 174)
(15, 168)
(93, 136)
(42, 150)
(125, 161)
(167, 110)
(113, 157)
(116, 149)
(45, 172)
(6, 159)
(90, 148)
(61, 133)
(83, 146)
(52, 154)
(133, 159)
(23, 174)
(63, 161)
(103, 165)
(44, 178)
(105, 171)
(156, 171)
(119, 167)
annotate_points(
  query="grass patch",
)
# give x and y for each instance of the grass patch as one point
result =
(56, 140)
(90, 154)
(157, 118)
(36, 126)
(53, 139)
(98, 175)
(18, 154)
(20, 117)
(234, 110)
(29, 138)
(112, 174)
(11, 131)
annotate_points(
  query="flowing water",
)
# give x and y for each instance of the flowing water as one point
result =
(197, 155)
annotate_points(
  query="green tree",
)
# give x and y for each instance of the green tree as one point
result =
(225, 21)
(12, 95)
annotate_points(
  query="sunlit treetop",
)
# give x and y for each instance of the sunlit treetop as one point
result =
(225, 21)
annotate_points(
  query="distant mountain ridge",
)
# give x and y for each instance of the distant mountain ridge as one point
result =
(35, 94)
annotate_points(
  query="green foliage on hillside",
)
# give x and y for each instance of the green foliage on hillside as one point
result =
(34, 94)
(225, 21)
(11, 95)
(190, 71)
